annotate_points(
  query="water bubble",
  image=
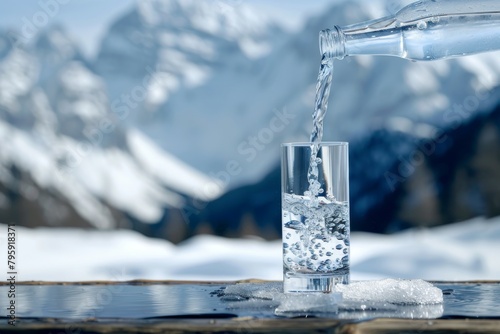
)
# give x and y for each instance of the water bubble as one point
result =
(421, 25)
(296, 208)
(285, 245)
(339, 246)
(302, 262)
(347, 242)
(288, 259)
(345, 250)
(294, 225)
(328, 253)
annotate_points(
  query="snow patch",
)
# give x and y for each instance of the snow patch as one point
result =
(460, 251)
(170, 170)
(114, 176)
(24, 151)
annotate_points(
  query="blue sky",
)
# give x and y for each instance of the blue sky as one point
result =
(87, 20)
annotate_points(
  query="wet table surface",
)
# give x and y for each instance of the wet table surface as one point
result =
(107, 307)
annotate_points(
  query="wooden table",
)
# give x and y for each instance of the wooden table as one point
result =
(200, 307)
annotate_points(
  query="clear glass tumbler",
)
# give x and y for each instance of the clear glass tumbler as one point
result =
(316, 231)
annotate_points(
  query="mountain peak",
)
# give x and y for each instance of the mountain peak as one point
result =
(161, 11)
(56, 42)
(229, 19)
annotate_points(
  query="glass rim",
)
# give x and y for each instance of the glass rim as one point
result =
(309, 144)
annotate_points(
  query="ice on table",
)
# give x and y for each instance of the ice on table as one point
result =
(309, 303)
(394, 291)
(271, 295)
(375, 295)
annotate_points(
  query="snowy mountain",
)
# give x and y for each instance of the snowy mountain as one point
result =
(215, 104)
(203, 67)
(66, 159)
(187, 98)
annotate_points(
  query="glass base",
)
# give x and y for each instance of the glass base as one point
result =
(312, 283)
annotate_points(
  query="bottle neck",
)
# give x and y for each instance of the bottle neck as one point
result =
(339, 42)
(332, 43)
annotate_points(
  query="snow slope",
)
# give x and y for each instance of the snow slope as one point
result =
(58, 132)
(461, 251)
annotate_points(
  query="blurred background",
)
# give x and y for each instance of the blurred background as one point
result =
(166, 117)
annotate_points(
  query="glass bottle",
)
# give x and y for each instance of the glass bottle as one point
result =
(423, 30)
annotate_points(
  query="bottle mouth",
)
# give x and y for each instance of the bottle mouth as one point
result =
(332, 43)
